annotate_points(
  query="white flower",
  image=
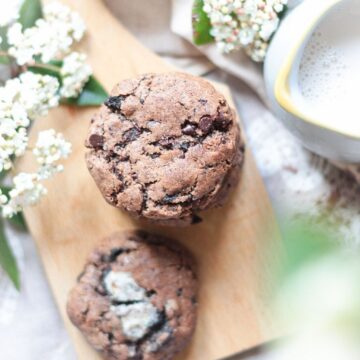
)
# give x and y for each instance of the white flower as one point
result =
(247, 24)
(27, 191)
(75, 73)
(28, 96)
(51, 147)
(47, 171)
(268, 28)
(22, 99)
(13, 142)
(9, 11)
(51, 36)
(246, 36)
(60, 15)
(38, 93)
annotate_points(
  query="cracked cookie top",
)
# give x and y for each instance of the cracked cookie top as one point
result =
(165, 146)
(136, 298)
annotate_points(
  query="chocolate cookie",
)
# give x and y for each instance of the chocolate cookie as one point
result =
(136, 298)
(164, 147)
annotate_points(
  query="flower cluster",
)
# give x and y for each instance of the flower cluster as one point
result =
(35, 50)
(50, 148)
(30, 95)
(28, 189)
(247, 24)
(51, 36)
(21, 100)
(26, 192)
(75, 74)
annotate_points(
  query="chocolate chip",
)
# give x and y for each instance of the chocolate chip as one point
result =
(114, 253)
(167, 143)
(179, 291)
(131, 135)
(221, 123)
(96, 140)
(150, 293)
(169, 198)
(205, 124)
(155, 155)
(222, 102)
(196, 219)
(189, 129)
(184, 146)
(114, 102)
(202, 101)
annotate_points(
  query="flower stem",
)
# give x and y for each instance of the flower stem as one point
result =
(45, 66)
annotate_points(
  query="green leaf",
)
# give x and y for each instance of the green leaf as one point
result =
(93, 94)
(201, 24)
(44, 69)
(282, 14)
(5, 60)
(7, 259)
(30, 11)
(18, 221)
(3, 174)
(4, 46)
(5, 189)
(57, 63)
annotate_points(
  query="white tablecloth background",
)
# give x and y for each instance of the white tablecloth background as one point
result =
(297, 181)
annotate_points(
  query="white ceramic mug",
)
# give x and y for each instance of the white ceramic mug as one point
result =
(333, 139)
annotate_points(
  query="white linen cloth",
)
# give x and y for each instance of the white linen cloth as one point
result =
(297, 181)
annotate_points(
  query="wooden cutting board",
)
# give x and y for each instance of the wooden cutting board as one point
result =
(230, 245)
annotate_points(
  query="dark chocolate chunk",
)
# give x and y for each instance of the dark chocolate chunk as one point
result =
(189, 129)
(96, 141)
(202, 101)
(222, 123)
(206, 123)
(114, 102)
(131, 135)
(167, 143)
(168, 199)
(196, 219)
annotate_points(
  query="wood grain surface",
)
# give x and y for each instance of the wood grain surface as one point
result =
(231, 244)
